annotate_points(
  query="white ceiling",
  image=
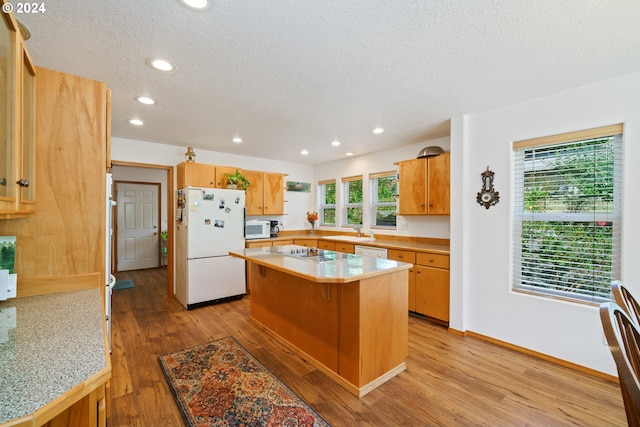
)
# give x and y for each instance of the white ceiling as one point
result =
(287, 75)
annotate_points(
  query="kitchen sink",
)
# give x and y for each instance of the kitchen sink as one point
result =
(346, 238)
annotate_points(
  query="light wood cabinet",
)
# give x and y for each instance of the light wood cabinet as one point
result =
(424, 186)
(17, 123)
(65, 235)
(428, 282)
(221, 171)
(257, 244)
(323, 244)
(282, 242)
(265, 196)
(310, 243)
(196, 175)
(348, 248)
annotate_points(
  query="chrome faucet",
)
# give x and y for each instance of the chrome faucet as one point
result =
(357, 228)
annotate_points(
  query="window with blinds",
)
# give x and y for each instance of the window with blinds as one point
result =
(327, 193)
(352, 200)
(382, 199)
(567, 214)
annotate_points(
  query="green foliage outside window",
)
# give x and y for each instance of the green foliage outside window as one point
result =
(562, 249)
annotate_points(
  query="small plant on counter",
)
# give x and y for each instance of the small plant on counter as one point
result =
(237, 179)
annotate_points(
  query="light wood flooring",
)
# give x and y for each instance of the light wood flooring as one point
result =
(450, 380)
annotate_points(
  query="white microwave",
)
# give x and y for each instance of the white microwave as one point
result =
(257, 229)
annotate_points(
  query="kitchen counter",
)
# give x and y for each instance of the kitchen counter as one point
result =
(381, 241)
(345, 314)
(321, 266)
(52, 355)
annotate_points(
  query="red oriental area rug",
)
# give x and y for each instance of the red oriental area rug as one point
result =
(221, 384)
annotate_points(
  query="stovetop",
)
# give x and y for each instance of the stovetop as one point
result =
(315, 255)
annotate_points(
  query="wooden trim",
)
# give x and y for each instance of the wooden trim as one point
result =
(140, 165)
(327, 181)
(546, 357)
(569, 136)
(32, 286)
(382, 174)
(351, 178)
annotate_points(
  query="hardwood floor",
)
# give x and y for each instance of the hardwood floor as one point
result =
(450, 380)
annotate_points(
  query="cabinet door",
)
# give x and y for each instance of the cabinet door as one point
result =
(254, 194)
(273, 193)
(438, 184)
(221, 171)
(8, 81)
(412, 289)
(413, 191)
(27, 175)
(432, 292)
(310, 243)
(196, 175)
(323, 244)
(348, 248)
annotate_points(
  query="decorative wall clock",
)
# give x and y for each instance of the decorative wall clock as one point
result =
(487, 196)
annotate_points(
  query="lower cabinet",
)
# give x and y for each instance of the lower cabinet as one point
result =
(428, 282)
(310, 243)
(348, 248)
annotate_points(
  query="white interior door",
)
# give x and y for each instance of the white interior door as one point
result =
(137, 230)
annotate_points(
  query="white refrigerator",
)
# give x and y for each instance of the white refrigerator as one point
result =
(210, 223)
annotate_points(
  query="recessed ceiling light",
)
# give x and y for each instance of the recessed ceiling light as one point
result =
(160, 64)
(237, 140)
(145, 100)
(377, 130)
(195, 4)
(304, 152)
(136, 122)
(336, 143)
(348, 154)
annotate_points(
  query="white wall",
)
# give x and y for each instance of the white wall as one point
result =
(480, 239)
(296, 204)
(382, 161)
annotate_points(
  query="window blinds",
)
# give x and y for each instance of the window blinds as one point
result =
(567, 214)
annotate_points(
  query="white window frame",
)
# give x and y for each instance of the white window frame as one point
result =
(346, 205)
(323, 205)
(374, 203)
(545, 262)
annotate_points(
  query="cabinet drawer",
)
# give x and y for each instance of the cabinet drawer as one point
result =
(282, 242)
(257, 244)
(432, 260)
(326, 245)
(404, 256)
(345, 247)
(310, 243)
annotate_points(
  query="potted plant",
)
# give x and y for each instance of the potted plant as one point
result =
(237, 180)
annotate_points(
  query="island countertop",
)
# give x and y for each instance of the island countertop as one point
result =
(50, 346)
(322, 266)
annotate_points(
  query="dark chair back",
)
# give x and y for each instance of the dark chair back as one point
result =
(623, 338)
(626, 301)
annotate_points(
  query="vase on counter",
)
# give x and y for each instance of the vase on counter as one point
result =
(313, 229)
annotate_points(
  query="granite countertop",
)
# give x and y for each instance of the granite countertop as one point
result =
(380, 241)
(49, 344)
(323, 266)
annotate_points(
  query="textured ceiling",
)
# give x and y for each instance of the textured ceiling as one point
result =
(287, 75)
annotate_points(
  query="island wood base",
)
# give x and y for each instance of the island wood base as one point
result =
(355, 332)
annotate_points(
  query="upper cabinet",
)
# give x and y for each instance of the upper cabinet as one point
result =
(424, 186)
(265, 196)
(17, 123)
(196, 175)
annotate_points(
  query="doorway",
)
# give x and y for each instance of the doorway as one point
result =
(138, 219)
(152, 173)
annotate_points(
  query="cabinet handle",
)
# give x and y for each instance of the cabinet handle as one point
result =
(430, 259)
(23, 183)
(400, 256)
(430, 205)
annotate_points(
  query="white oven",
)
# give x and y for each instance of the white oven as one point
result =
(257, 229)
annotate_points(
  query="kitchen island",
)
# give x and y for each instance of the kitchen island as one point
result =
(344, 313)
